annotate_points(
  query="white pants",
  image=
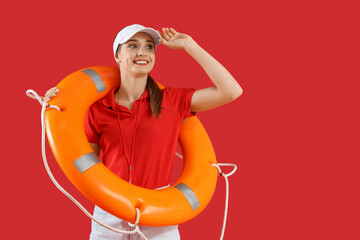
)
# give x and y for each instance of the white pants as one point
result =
(99, 232)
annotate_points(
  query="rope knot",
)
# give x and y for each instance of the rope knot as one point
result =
(32, 94)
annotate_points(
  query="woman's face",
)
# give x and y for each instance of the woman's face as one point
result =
(137, 55)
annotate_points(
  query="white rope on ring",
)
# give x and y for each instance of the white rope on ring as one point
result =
(46, 106)
(221, 173)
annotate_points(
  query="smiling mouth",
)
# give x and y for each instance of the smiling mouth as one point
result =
(141, 62)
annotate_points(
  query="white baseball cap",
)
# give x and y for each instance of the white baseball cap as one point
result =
(126, 33)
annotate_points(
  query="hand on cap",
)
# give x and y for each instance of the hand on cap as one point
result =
(173, 39)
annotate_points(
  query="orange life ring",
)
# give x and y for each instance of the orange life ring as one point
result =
(182, 201)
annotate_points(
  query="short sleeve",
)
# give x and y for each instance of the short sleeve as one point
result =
(90, 130)
(181, 97)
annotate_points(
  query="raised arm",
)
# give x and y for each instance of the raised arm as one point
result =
(226, 88)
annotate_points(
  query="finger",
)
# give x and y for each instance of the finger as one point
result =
(52, 93)
(162, 39)
(50, 96)
(52, 90)
(161, 36)
(173, 31)
(170, 34)
(165, 34)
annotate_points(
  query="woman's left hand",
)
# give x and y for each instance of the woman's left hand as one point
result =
(173, 39)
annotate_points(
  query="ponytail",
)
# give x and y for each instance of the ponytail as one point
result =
(155, 96)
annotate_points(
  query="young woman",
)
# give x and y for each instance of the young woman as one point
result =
(136, 126)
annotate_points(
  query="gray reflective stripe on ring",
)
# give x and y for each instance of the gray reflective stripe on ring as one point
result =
(85, 162)
(189, 195)
(99, 83)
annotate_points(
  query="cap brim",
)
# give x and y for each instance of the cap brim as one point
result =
(153, 33)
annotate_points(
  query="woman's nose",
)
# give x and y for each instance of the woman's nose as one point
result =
(141, 52)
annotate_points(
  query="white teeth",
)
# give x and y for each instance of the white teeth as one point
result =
(141, 62)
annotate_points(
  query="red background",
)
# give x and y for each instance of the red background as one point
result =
(294, 133)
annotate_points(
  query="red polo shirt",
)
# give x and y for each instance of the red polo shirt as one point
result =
(136, 146)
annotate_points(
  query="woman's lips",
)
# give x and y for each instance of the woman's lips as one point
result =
(141, 62)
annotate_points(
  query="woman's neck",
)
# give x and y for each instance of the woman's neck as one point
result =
(132, 87)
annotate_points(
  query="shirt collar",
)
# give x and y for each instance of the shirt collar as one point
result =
(109, 99)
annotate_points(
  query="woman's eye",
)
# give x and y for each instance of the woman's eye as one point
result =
(150, 47)
(132, 46)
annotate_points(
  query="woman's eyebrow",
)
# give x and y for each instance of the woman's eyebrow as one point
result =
(135, 40)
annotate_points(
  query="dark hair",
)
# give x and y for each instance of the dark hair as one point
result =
(156, 96)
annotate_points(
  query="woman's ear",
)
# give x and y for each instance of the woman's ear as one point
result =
(117, 59)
